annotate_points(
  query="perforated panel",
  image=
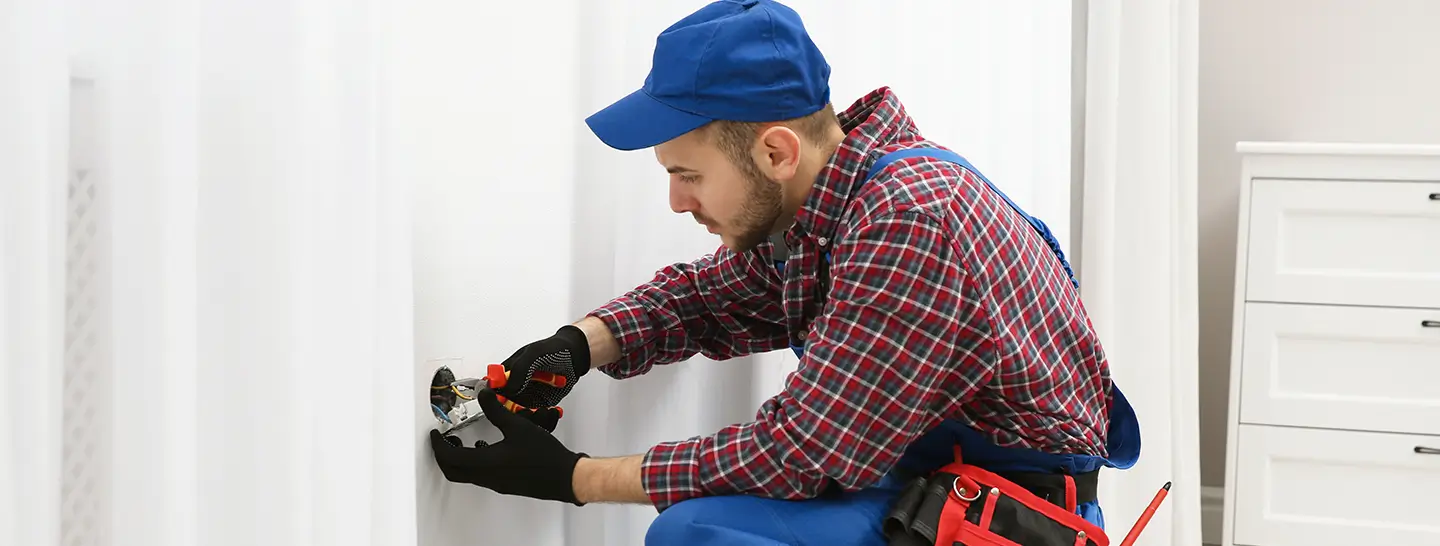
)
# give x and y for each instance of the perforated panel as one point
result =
(85, 493)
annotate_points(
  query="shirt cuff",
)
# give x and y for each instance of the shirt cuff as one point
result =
(670, 472)
(628, 322)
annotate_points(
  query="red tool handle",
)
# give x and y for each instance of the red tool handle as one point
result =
(496, 376)
(1146, 515)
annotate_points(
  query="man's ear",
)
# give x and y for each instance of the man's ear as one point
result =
(777, 152)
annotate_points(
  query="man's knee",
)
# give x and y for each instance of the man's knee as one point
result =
(717, 520)
(672, 525)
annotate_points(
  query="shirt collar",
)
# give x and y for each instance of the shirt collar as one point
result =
(871, 123)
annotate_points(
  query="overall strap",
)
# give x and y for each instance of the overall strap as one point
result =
(947, 155)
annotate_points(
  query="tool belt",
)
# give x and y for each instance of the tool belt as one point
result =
(961, 504)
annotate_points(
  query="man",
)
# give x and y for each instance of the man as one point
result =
(928, 311)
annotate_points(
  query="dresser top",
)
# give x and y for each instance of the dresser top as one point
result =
(1340, 161)
(1336, 148)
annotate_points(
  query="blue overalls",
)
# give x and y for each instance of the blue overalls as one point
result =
(855, 518)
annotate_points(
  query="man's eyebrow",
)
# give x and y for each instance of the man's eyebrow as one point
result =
(679, 169)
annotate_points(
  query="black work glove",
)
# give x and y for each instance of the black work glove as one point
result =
(546, 418)
(535, 368)
(529, 462)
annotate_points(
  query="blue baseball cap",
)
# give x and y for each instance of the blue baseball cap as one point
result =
(733, 60)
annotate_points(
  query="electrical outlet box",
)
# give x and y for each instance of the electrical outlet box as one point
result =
(451, 400)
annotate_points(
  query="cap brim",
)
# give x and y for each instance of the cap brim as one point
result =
(639, 121)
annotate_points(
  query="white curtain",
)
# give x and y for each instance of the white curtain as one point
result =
(212, 209)
(1138, 264)
(32, 173)
(217, 259)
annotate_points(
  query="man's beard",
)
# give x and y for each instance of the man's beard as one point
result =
(760, 211)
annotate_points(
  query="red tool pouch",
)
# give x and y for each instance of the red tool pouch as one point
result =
(965, 505)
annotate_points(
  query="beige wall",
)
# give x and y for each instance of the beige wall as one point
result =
(1316, 70)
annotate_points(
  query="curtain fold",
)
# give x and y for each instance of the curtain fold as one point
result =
(33, 133)
(1138, 262)
(237, 251)
(147, 167)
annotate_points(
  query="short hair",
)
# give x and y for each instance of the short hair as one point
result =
(735, 138)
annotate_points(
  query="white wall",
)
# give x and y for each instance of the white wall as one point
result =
(483, 102)
(524, 221)
(1318, 70)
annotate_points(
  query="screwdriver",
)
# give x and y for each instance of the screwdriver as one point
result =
(1146, 515)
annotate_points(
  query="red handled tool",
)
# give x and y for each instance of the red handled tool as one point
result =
(453, 400)
(496, 376)
(1146, 515)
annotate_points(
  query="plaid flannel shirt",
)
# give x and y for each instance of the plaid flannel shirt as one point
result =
(941, 303)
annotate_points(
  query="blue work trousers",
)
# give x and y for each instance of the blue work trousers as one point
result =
(854, 519)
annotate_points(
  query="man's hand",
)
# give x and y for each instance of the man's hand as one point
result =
(529, 462)
(543, 372)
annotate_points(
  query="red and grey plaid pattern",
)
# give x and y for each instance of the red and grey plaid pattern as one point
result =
(943, 303)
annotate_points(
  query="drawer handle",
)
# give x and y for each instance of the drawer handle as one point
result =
(1430, 324)
(1427, 450)
(1435, 197)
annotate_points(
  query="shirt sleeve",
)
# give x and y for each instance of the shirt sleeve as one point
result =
(896, 346)
(722, 305)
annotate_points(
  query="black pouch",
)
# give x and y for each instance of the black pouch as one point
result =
(966, 505)
(905, 525)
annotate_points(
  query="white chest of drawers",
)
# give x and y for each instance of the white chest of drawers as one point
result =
(1335, 365)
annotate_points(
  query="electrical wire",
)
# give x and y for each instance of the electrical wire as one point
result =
(441, 413)
(453, 388)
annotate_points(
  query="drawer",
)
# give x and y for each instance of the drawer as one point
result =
(1337, 242)
(1311, 487)
(1362, 368)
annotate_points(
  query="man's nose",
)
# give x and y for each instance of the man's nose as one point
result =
(680, 199)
